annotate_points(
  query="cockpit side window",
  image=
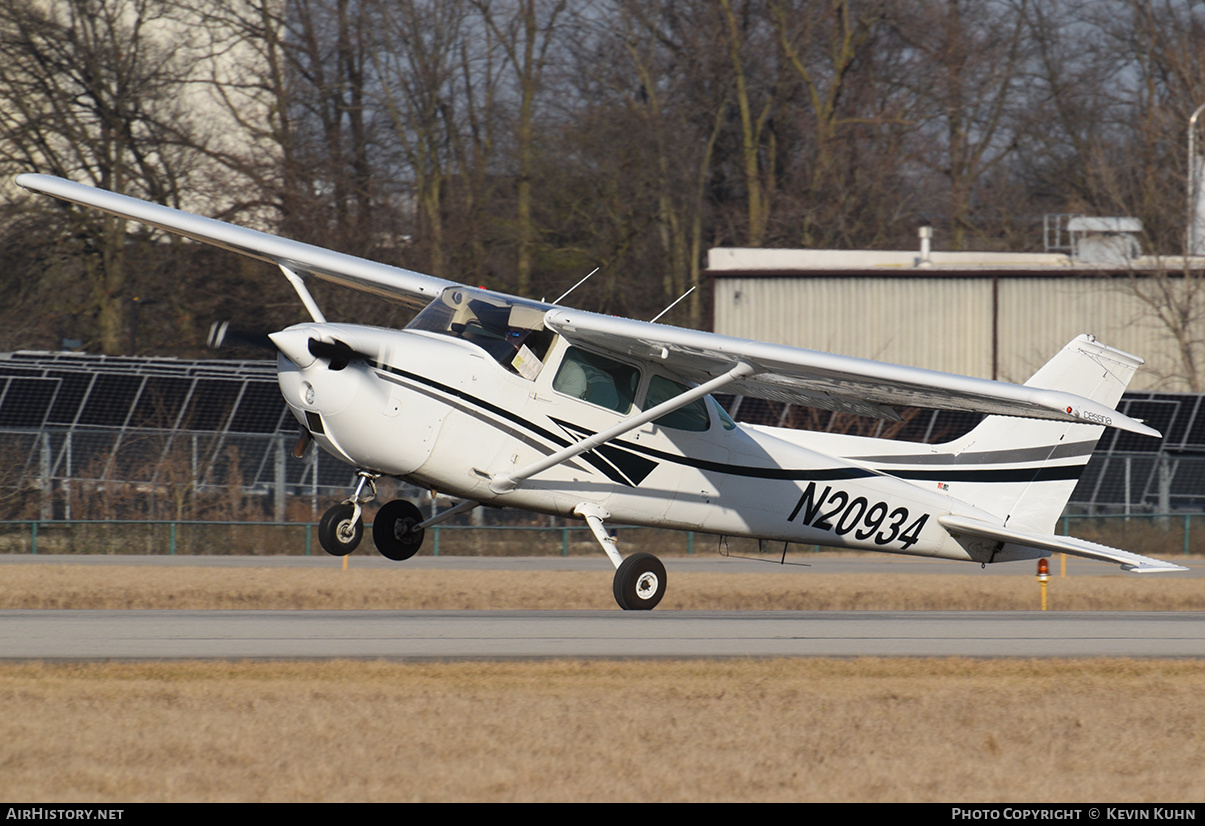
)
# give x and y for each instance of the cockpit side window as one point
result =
(511, 330)
(692, 416)
(597, 379)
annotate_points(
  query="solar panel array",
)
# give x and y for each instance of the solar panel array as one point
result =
(168, 425)
(161, 423)
(1133, 474)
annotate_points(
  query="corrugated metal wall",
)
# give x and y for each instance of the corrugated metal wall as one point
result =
(945, 322)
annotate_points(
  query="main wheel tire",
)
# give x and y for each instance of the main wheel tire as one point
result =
(639, 582)
(393, 530)
(337, 533)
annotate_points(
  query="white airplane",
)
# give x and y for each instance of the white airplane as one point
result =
(507, 402)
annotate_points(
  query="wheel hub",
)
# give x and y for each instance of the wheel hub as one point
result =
(646, 585)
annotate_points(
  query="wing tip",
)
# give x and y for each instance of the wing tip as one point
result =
(30, 181)
(1146, 568)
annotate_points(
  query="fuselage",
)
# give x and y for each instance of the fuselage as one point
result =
(444, 413)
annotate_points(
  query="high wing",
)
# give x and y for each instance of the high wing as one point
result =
(824, 380)
(768, 371)
(394, 283)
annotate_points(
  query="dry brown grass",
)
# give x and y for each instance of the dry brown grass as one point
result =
(767, 730)
(729, 730)
(119, 586)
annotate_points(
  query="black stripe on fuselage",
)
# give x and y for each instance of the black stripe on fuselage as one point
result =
(607, 469)
(634, 473)
(1018, 474)
(1038, 453)
(731, 470)
(1014, 474)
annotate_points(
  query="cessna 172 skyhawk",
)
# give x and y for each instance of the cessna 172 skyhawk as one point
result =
(507, 402)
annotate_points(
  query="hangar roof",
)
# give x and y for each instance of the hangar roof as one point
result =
(731, 262)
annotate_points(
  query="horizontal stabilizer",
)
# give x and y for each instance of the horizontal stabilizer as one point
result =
(1136, 563)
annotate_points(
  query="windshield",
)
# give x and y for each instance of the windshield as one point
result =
(509, 329)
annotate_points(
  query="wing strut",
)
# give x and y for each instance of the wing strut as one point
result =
(303, 293)
(506, 482)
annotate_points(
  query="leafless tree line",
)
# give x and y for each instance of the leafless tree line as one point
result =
(518, 144)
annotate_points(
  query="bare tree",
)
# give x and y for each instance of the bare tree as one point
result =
(965, 74)
(526, 30)
(91, 90)
(249, 73)
(674, 53)
(747, 33)
(474, 140)
(844, 110)
(1114, 85)
(417, 57)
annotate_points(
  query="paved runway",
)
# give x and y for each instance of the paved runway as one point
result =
(102, 635)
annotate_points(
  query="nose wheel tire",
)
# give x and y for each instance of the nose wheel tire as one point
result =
(338, 533)
(639, 582)
(393, 530)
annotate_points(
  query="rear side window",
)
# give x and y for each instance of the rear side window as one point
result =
(692, 416)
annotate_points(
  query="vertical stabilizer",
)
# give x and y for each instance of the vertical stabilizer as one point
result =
(1024, 470)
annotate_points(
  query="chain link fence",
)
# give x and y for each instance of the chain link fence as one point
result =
(1161, 535)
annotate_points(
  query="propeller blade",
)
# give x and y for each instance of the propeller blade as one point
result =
(221, 334)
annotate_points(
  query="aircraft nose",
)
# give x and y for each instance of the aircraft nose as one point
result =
(294, 343)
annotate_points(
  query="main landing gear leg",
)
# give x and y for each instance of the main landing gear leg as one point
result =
(342, 527)
(640, 579)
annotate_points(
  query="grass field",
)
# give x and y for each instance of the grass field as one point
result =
(956, 730)
(128, 586)
(1098, 731)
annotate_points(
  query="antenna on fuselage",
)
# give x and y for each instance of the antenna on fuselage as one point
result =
(575, 286)
(671, 306)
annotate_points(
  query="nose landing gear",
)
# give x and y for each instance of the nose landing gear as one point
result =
(340, 530)
(342, 527)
